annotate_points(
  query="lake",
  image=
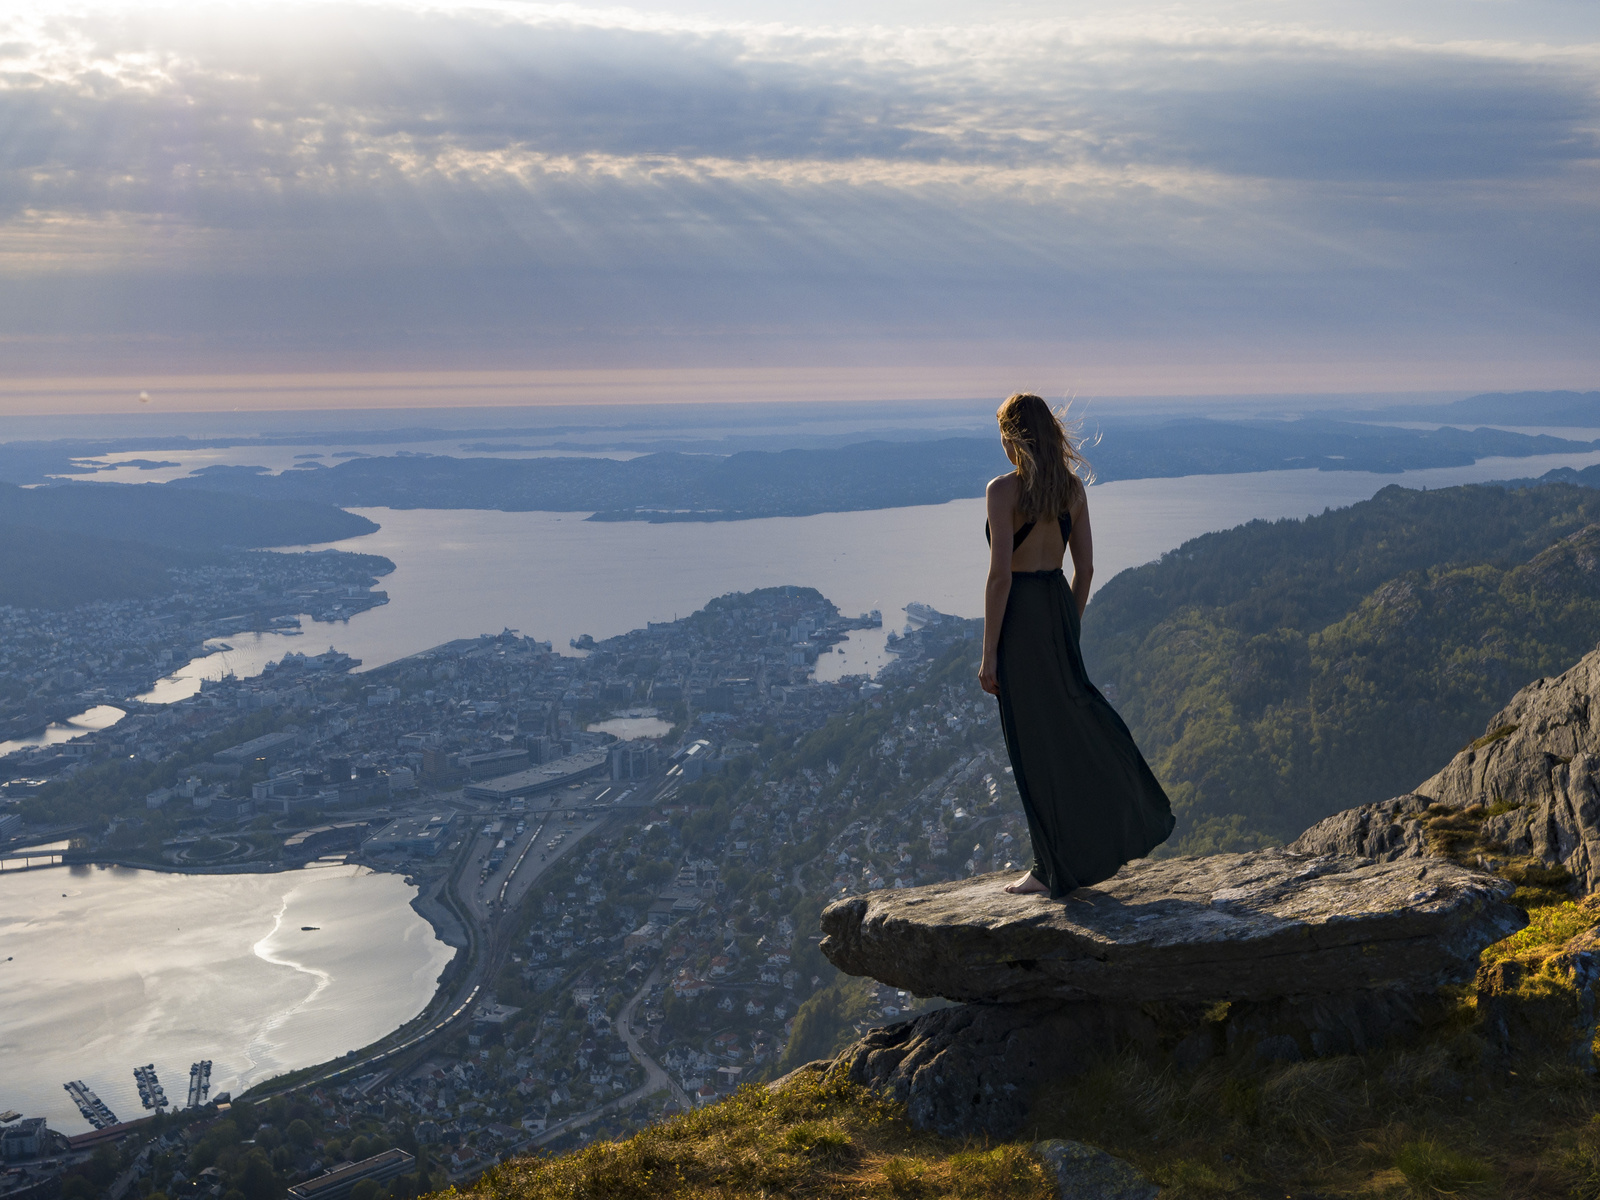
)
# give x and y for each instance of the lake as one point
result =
(105, 969)
(462, 572)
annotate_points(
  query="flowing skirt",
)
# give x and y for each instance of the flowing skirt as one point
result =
(1091, 800)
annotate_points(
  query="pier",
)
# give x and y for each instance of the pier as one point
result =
(150, 1093)
(93, 1108)
(199, 1082)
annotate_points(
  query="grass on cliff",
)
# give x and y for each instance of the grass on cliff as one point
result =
(820, 1136)
(1443, 1118)
(1451, 1115)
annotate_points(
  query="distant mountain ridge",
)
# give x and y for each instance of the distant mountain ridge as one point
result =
(1577, 409)
(672, 486)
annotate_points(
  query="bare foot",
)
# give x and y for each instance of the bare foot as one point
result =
(1027, 886)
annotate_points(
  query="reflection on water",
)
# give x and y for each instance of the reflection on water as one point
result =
(111, 968)
(101, 716)
(246, 654)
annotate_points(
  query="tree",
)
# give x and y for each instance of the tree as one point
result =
(256, 1178)
(300, 1134)
(367, 1189)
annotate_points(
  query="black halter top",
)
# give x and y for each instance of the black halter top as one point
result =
(1021, 535)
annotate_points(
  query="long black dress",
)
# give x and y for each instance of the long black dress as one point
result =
(1091, 800)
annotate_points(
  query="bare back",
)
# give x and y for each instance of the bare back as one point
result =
(1043, 549)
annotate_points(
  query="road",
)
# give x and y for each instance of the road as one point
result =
(656, 1078)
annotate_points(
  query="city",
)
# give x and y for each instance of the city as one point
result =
(628, 845)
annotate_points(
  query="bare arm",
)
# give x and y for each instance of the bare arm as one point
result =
(1081, 546)
(1001, 497)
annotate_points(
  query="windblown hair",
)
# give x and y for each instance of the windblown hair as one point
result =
(1049, 465)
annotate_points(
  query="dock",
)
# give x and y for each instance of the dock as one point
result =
(150, 1093)
(93, 1108)
(199, 1083)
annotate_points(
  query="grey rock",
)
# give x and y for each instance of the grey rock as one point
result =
(1256, 926)
(1083, 1173)
(1535, 774)
(974, 1068)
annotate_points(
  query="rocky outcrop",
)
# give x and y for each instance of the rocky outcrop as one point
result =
(973, 1068)
(1545, 999)
(1528, 789)
(1257, 926)
(1269, 956)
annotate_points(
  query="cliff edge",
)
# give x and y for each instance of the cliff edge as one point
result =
(1522, 800)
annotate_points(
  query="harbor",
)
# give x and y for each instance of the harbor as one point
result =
(150, 1093)
(93, 1108)
(199, 1083)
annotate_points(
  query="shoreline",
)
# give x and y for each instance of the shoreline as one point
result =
(447, 928)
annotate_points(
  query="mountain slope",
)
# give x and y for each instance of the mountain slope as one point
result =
(189, 519)
(1277, 673)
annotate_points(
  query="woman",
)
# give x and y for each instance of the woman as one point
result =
(1091, 801)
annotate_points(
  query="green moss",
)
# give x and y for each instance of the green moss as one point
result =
(1549, 927)
(1493, 736)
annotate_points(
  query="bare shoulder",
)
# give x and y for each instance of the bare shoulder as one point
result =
(1078, 501)
(1003, 487)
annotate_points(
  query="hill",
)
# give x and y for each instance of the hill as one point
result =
(1579, 409)
(50, 568)
(180, 519)
(867, 475)
(1282, 671)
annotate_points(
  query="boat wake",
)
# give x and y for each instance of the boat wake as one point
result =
(260, 1053)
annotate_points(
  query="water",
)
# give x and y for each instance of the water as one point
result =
(111, 968)
(101, 716)
(462, 572)
(241, 654)
(634, 724)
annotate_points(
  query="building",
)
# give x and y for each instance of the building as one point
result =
(694, 760)
(336, 1184)
(554, 774)
(635, 760)
(423, 835)
(494, 762)
(308, 843)
(28, 1138)
(268, 746)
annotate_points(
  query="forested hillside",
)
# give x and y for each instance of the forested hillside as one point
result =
(186, 520)
(1282, 671)
(50, 568)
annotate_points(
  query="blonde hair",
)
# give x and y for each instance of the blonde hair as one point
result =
(1049, 464)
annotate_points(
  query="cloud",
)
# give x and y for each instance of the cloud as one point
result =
(334, 179)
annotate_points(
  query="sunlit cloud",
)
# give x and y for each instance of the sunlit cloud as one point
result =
(506, 181)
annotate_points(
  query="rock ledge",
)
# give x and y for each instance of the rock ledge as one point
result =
(1253, 926)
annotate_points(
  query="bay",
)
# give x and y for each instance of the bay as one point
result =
(463, 572)
(105, 969)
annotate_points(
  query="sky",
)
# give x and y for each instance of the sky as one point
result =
(519, 203)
